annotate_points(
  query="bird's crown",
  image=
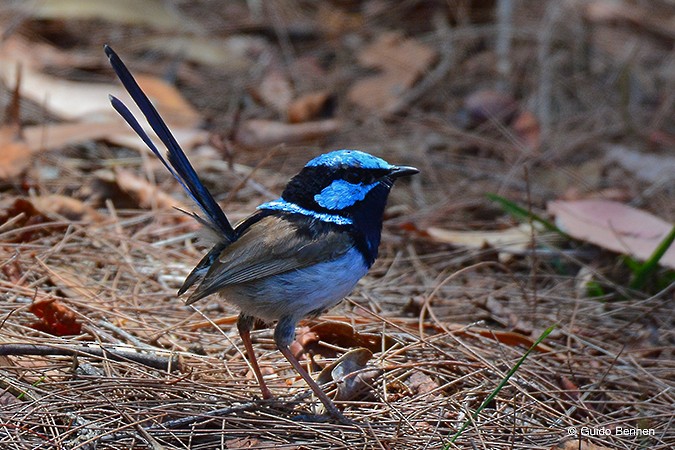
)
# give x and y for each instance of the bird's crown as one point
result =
(349, 159)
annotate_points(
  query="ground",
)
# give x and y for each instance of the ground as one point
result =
(500, 105)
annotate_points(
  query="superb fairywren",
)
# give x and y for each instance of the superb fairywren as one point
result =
(296, 256)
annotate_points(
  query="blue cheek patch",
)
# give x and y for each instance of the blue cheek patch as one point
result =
(341, 194)
(283, 205)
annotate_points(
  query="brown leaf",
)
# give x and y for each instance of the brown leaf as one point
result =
(72, 284)
(23, 214)
(56, 136)
(75, 100)
(303, 339)
(229, 54)
(55, 318)
(526, 127)
(308, 106)
(8, 400)
(39, 54)
(570, 389)
(614, 226)
(350, 387)
(510, 338)
(186, 137)
(68, 100)
(344, 335)
(336, 22)
(68, 207)
(132, 12)
(393, 53)
(258, 133)
(147, 194)
(276, 91)
(15, 154)
(486, 105)
(420, 383)
(401, 60)
(510, 241)
(167, 99)
(242, 442)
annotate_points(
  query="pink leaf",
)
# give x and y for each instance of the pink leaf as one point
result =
(614, 226)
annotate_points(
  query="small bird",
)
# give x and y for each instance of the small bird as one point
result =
(296, 256)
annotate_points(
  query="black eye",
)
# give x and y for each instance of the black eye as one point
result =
(353, 177)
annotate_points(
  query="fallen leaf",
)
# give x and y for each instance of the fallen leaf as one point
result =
(68, 207)
(56, 136)
(308, 106)
(510, 338)
(393, 52)
(23, 214)
(486, 105)
(232, 54)
(155, 13)
(275, 91)
(7, 399)
(167, 99)
(350, 387)
(337, 22)
(570, 389)
(258, 133)
(187, 138)
(16, 151)
(303, 339)
(68, 100)
(147, 194)
(38, 54)
(420, 383)
(614, 226)
(55, 318)
(344, 335)
(402, 62)
(646, 167)
(15, 154)
(510, 241)
(526, 127)
(242, 442)
(72, 284)
(76, 100)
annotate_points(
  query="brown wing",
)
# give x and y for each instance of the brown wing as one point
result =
(269, 247)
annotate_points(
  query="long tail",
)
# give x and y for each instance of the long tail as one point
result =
(177, 164)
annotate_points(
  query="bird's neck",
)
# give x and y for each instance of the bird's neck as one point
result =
(367, 223)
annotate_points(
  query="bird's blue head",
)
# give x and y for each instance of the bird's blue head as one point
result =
(346, 187)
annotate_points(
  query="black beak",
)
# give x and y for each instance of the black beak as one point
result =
(402, 171)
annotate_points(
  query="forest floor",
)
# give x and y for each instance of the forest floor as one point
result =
(521, 116)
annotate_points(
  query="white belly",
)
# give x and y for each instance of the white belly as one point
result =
(299, 293)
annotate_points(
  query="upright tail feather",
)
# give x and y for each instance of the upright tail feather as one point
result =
(177, 164)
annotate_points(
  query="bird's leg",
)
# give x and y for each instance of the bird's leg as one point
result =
(283, 337)
(244, 325)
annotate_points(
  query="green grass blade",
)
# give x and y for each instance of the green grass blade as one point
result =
(649, 267)
(499, 386)
(521, 213)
